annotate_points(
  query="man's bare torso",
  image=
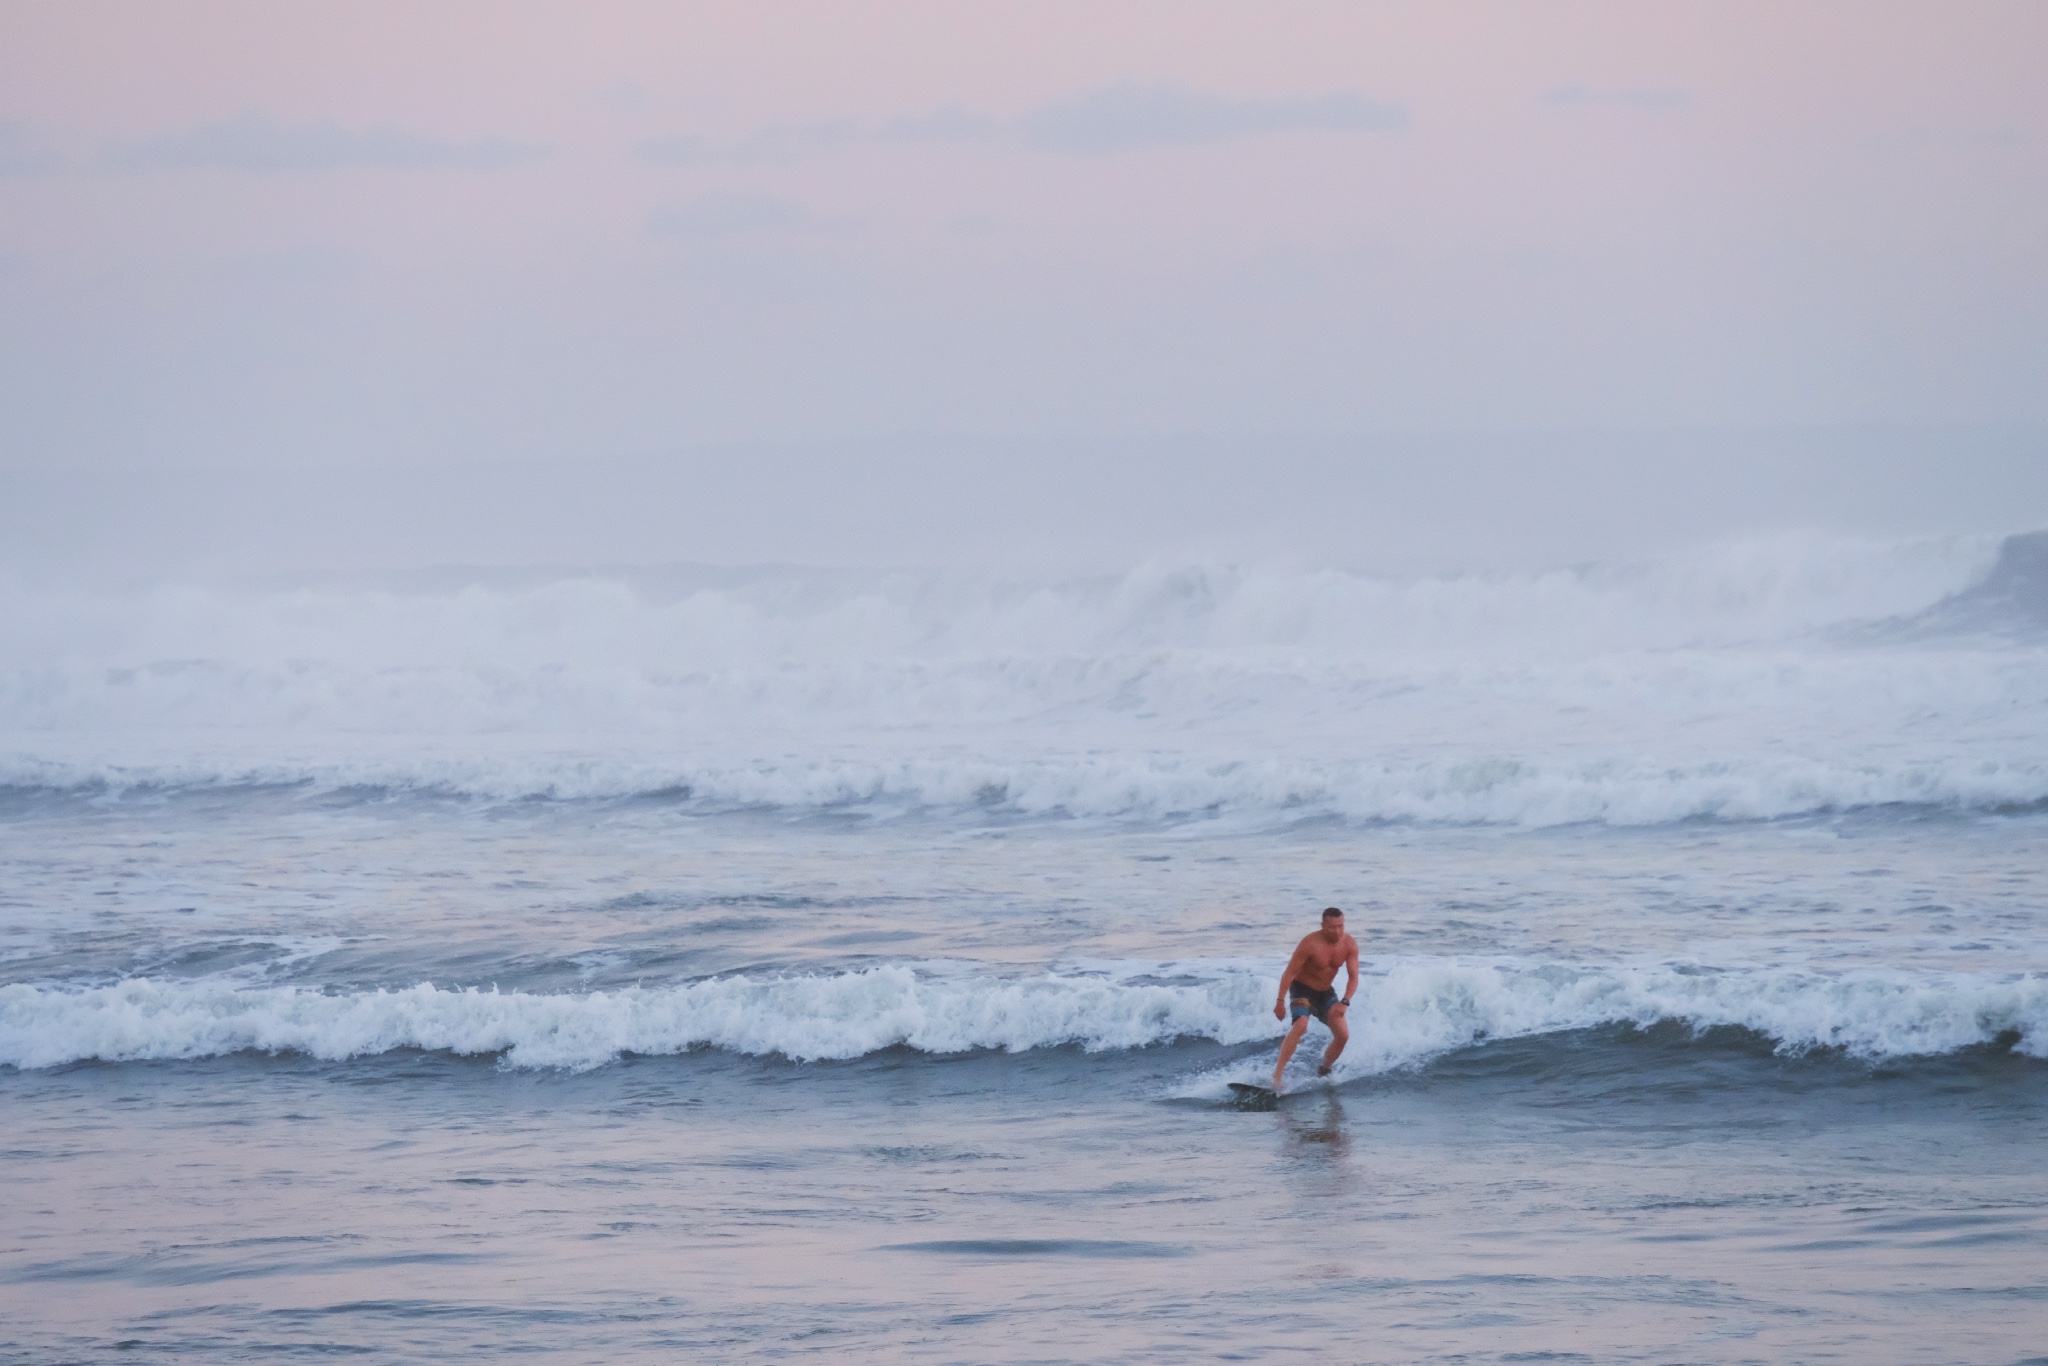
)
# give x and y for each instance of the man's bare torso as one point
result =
(1320, 959)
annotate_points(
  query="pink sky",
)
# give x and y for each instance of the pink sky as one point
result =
(1164, 217)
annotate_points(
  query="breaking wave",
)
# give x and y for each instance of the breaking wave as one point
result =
(1531, 793)
(1408, 1011)
(1726, 684)
(687, 618)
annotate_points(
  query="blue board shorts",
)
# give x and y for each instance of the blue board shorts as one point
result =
(1303, 999)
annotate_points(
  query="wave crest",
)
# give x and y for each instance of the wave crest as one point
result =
(1472, 791)
(1408, 1010)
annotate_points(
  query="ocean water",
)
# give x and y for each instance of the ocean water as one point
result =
(709, 964)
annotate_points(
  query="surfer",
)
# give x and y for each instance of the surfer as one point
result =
(1309, 987)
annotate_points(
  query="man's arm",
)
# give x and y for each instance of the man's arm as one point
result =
(1350, 972)
(1286, 976)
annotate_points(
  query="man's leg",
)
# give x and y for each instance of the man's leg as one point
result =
(1287, 1049)
(1340, 1034)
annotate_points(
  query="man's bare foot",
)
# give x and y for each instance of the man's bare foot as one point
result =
(1323, 1071)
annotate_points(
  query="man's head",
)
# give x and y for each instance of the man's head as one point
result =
(1333, 924)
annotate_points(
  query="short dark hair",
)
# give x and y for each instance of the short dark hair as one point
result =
(1329, 911)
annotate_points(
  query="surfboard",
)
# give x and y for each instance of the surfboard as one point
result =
(1250, 1097)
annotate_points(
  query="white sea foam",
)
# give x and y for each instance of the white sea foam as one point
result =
(1502, 791)
(1408, 1010)
(1747, 592)
(1691, 688)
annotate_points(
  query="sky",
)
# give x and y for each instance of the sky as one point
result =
(866, 282)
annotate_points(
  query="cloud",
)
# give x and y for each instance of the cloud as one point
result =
(256, 142)
(950, 124)
(1581, 96)
(2001, 138)
(730, 215)
(680, 151)
(778, 144)
(1113, 119)
(21, 152)
(1123, 117)
(796, 142)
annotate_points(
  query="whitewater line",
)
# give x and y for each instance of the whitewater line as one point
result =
(1408, 1010)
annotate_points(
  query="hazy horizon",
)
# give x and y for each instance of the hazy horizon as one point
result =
(1038, 287)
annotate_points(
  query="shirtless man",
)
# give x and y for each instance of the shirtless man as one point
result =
(1310, 982)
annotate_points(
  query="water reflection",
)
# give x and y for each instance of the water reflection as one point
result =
(1318, 1123)
(1319, 1143)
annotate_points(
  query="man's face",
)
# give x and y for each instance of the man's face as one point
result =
(1333, 927)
